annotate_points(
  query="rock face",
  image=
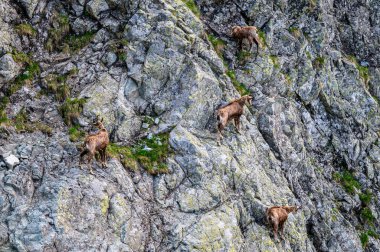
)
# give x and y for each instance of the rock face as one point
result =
(311, 137)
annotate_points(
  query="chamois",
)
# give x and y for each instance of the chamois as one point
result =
(232, 110)
(246, 32)
(277, 216)
(96, 142)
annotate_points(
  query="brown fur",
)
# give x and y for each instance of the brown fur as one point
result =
(277, 216)
(232, 110)
(246, 32)
(96, 142)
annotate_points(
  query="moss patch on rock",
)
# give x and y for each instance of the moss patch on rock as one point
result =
(150, 153)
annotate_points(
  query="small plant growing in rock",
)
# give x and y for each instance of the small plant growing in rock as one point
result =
(274, 60)
(76, 42)
(349, 183)
(75, 134)
(150, 153)
(22, 124)
(295, 32)
(367, 215)
(26, 30)
(217, 43)
(60, 28)
(243, 56)
(193, 7)
(366, 197)
(364, 237)
(262, 37)
(240, 87)
(319, 62)
(71, 110)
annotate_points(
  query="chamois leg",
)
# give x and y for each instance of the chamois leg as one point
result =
(103, 155)
(89, 163)
(282, 230)
(220, 129)
(84, 152)
(237, 124)
(275, 231)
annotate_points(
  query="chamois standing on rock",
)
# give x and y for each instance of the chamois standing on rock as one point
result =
(96, 142)
(277, 216)
(247, 32)
(232, 110)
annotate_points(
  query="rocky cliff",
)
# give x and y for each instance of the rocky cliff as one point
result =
(156, 70)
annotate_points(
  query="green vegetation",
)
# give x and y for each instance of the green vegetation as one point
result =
(125, 154)
(319, 62)
(274, 60)
(366, 197)
(243, 56)
(367, 215)
(61, 28)
(363, 70)
(150, 153)
(193, 7)
(308, 55)
(295, 31)
(364, 237)
(240, 87)
(21, 124)
(348, 181)
(75, 134)
(217, 43)
(25, 29)
(262, 37)
(57, 85)
(71, 109)
(74, 43)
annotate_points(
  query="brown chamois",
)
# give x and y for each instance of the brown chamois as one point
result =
(277, 216)
(96, 142)
(232, 110)
(247, 32)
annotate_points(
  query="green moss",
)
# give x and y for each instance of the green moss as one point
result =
(363, 70)
(193, 7)
(25, 29)
(364, 238)
(274, 60)
(367, 215)
(308, 55)
(240, 87)
(75, 134)
(348, 181)
(104, 205)
(124, 154)
(262, 37)
(77, 42)
(71, 110)
(366, 197)
(217, 43)
(151, 154)
(319, 62)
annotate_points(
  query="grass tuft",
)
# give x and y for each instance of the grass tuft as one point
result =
(75, 134)
(193, 7)
(71, 110)
(26, 30)
(151, 154)
(240, 87)
(274, 60)
(217, 43)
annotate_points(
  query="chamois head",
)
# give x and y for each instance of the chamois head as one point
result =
(247, 99)
(98, 122)
(235, 31)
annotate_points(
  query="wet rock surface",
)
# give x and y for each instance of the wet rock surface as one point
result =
(151, 67)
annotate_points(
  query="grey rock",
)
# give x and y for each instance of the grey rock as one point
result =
(96, 7)
(11, 161)
(8, 69)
